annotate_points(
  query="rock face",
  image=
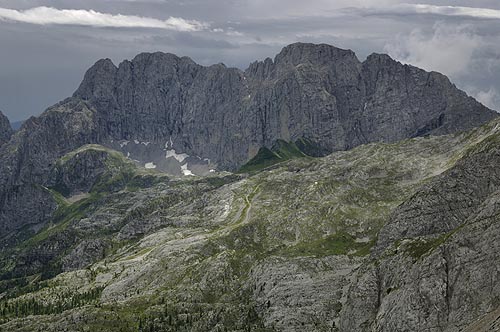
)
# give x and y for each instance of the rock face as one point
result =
(79, 172)
(314, 92)
(318, 96)
(439, 270)
(27, 160)
(5, 129)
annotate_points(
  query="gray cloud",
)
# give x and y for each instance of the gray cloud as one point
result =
(449, 49)
(427, 9)
(48, 15)
(482, 13)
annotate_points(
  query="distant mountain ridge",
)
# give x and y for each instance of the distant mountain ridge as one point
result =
(207, 118)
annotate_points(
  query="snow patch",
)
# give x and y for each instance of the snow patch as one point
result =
(169, 143)
(212, 171)
(180, 157)
(145, 143)
(136, 141)
(125, 143)
(185, 170)
(150, 166)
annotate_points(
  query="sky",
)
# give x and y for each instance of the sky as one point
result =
(47, 45)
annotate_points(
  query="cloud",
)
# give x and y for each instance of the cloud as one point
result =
(490, 98)
(425, 9)
(483, 13)
(49, 15)
(449, 49)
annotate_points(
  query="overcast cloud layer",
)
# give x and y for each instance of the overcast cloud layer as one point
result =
(46, 45)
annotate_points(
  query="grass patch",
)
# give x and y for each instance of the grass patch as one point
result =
(281, 151)
(63, 216)
(423, 247)
(336, 244)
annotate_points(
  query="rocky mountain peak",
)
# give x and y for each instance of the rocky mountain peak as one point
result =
(160, 58)
(317, 54)
(5, 129)
(98, 80)
(379, 58)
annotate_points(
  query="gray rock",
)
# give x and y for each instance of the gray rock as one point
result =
(27, 160)
(85, 253)
(448, 199)
(436, 259)
(80, 172)
(5, 129)
(317, 92)
(286, 249)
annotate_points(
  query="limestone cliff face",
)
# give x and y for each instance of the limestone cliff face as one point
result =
(27, 160)
(436, 267)
(317, 95)
(5, 129)
(314, 92)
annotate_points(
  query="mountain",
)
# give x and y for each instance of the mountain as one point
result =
(170, 114)
(310, 192)
(317, 93)
(5, 129)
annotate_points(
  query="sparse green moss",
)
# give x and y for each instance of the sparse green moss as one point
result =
(281, 151)
(336, 244)
(422, 247)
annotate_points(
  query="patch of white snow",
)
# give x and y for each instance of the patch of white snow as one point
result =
(185, 170)
(180, 157)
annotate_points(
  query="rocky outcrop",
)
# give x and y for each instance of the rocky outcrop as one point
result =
(436, 284)
(27, 160)
(447, 200)
(85, 253)
(436, 262)
(5, 129)
(78, 172)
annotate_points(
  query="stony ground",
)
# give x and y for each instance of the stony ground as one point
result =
(355, 241)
